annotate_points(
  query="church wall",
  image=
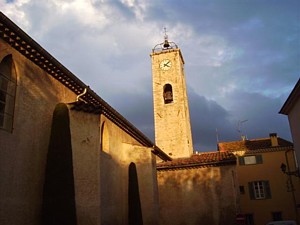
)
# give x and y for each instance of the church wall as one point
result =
(24, 150)
(85, 139)
(102, 173)
(145, 163)
(196, 196)
(101, 178)
(125, 153)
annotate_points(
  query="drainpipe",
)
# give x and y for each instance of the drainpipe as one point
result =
(292, 185)
(83, 93)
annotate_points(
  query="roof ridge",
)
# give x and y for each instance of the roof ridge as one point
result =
(33, 51)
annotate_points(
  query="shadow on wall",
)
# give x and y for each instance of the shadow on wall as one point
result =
(134, 203)
(59, 194)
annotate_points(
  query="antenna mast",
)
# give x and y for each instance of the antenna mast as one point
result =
(239, 129)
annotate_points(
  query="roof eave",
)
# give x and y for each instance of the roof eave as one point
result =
(24, 44)
(196, 165)
(291, 100)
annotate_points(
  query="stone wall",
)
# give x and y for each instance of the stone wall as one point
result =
(104, 168)
(24, 150)
(204, 195)
(172, 120)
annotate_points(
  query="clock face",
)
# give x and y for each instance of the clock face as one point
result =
(165, 64)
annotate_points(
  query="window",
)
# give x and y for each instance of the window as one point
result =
(168, 94)
(276, 216)
(242, 190)
(259, 190)
(250, 160)
(249, 219)
(7, 93)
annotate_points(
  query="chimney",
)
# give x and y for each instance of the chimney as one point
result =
(274, 139)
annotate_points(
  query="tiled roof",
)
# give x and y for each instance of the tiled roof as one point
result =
(97, 109)
(261, 145)
(24, 44)
(86, 107)
(204, 159)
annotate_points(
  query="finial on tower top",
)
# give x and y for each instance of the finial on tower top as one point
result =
(166, 42)
(166, 45)
(166, 36)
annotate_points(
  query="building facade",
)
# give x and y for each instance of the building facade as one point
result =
(291, 108)
(66, 156)
(266, 193)
(201, 189)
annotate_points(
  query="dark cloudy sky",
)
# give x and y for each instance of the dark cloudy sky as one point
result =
(242, 57)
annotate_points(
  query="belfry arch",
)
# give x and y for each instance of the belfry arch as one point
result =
(168, 93)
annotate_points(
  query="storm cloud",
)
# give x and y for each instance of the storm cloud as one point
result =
(242, 58)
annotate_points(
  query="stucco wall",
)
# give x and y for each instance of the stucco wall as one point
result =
(114, 165)
(23, 152)
(281, 196)
(100, 177)
(85, 139)
(198, 196)
(294, 120)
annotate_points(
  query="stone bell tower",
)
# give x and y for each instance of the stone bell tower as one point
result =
(171, 110)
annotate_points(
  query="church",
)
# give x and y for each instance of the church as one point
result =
(68, 158)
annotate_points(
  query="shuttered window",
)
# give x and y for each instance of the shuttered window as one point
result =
(259, 189)
(250, 160)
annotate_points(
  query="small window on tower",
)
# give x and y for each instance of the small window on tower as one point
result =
(168, 94)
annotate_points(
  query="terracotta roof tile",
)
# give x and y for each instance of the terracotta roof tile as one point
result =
(199, 160)
(263, 144)
(26, 46)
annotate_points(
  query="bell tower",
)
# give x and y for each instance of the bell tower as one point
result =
(171, 110)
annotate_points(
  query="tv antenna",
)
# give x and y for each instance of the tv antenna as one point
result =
(217, 136)
(239, 129)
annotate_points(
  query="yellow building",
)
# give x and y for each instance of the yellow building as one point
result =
(291, 108)
(266, 193)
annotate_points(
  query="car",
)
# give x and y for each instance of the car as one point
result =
(283, 222)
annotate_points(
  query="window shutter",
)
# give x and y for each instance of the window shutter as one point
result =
(267, 189)
(251, 190)
(259, 159)
(241, 160)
